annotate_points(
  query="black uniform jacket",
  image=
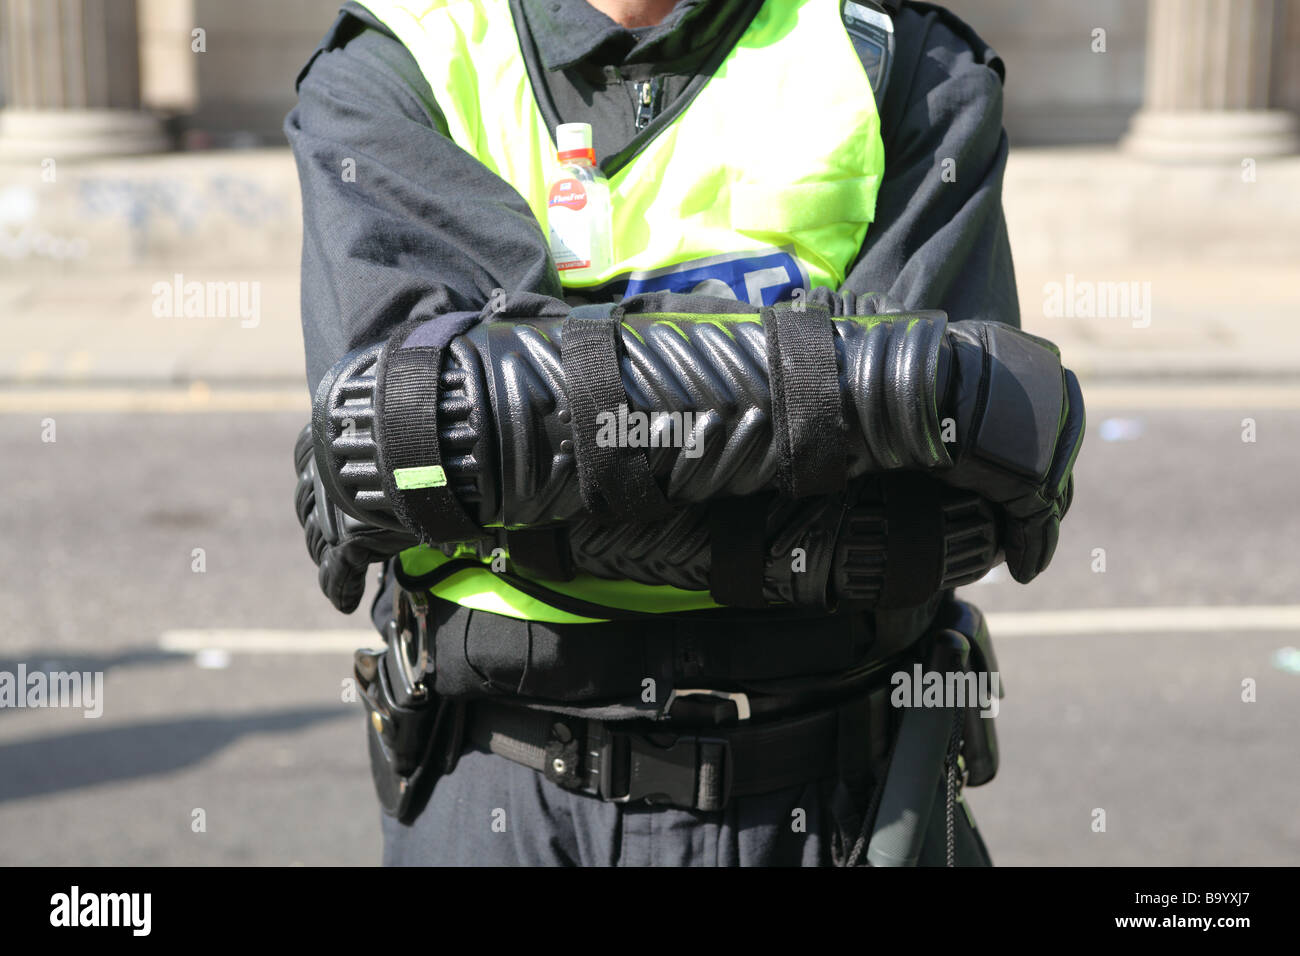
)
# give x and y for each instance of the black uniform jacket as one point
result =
(419, 226)
(422, 226)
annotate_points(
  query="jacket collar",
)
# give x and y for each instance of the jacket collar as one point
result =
(571, 32)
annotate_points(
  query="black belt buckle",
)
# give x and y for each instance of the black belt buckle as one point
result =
(667, 772)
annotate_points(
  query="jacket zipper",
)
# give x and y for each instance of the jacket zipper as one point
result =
(647, 102)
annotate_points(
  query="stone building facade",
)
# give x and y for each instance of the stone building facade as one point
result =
(1168, 79)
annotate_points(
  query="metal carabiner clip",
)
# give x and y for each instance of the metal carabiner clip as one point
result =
(408, 639)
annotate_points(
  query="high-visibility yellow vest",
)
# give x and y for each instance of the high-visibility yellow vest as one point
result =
(765, 183)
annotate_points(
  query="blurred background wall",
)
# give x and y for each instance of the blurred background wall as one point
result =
(237, 88)
(1054, 94)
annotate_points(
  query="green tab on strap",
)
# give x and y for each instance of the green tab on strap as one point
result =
(425, 476)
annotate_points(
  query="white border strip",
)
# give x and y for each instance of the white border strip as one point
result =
(1145, 620)
(269, 641)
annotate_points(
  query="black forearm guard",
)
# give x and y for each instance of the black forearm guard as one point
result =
(521, 407)
(516, 441)
(867, 404)
(817, 552)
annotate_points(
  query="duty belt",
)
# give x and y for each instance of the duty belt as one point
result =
(699, 769)
(704, 748)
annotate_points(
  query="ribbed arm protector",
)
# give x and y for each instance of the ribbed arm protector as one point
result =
(698, 393)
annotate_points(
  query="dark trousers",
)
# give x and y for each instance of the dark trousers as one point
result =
(490, 811)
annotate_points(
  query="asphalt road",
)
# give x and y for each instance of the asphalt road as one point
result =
(99, 563)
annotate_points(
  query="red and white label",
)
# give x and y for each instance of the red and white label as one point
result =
(570, 226)
(568, 193)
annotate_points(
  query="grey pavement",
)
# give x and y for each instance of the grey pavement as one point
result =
(1149, 728)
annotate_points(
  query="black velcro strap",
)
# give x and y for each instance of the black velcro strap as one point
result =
(406, 429)
(541, 552)
(807, 416)
(738, 550)
(914, 544)
(616, 483)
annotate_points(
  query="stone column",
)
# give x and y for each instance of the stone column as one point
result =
(168, 64)
(72, 80)
(1209, 83)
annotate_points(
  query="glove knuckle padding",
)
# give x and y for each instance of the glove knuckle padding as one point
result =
(1020, 426)
(1015, 414)
(1061, 478)
(341, 545)
(304, 495)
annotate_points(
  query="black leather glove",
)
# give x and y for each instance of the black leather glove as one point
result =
(341, 546)
(1019, 427)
